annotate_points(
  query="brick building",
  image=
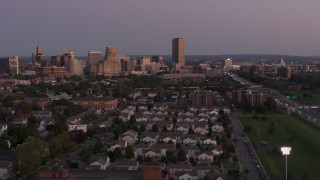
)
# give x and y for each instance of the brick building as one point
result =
(205, 98)
(94, 102)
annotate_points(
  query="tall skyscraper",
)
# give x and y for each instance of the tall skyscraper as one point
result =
(39, 57)
(178, 52)
(75, 67)
(10, 65)
(94, 57)
(110, 53)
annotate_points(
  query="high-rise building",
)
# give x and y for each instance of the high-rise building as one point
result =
(13, 65)
(94, 57)
(75, 67)
(178, 53)
(228, 64)
(110, 53)
(39, 57)
(56, 60)
(9, 65)
(284, 72)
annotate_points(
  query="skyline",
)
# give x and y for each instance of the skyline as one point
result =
(143, 27)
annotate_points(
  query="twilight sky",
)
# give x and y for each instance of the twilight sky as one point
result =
(146, 27)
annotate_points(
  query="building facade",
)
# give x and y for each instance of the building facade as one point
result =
(178, 53)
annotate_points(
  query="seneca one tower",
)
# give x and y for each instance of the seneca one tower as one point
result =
(178, 53)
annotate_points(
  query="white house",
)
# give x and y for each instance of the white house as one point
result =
(3, 128)
(209, 141)
(205, 158)
(217, 128)
(117, 144)
(191, 175)
(99, 163)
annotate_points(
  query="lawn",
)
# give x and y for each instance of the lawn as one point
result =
(304, 160)
(313, 99)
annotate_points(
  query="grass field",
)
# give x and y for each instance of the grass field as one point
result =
(315, 99)
(304, 160)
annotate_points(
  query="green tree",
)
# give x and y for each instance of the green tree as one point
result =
(55, 147)
(117, 154)
(29, 156)
(129, 152)
(171, 157)
(182, 156)
(155, 128)
(142, 128)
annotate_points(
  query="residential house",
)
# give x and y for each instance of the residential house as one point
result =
(3, 128)
(139, 148)
(190, 139)
(191, 151)
(202, 130)
(208, 141)
(150, 137)
(99, 162)
(182, 127)
(117, 144)
(174, 168)
(218, 150)
(141, 118)
(130, 137)
(125, 117)
(164, 148)
(19, 122)
(44, 114)
(202, 170)
(126, 165)
(152, 153)
(217, 128)
(165, 124)
(190, 175)
(204, 158)
(168, 137)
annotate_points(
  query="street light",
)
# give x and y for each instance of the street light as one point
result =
(286, 152)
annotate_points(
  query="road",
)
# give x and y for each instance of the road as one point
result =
(311, 115)
(246, 154)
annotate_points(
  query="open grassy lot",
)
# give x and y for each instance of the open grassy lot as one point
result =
(312, 97)
(304, 160)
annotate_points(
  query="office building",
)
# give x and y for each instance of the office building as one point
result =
(10, 65)
(94, 57)
(56, 61)
(284, 72)
(39, 57)
(54, 71)
(178, 53)
(110, 53)
(228, 64)
(75, 67)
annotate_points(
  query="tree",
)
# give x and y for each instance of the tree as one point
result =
(155, 128)
(85, 154)
(142, 128)
(97, 146)
(182, 156)
(29, 156)
(129, 152)
(55, 147)
(171, 157)
(117, 154)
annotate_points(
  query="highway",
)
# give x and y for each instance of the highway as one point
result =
(309, 113)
